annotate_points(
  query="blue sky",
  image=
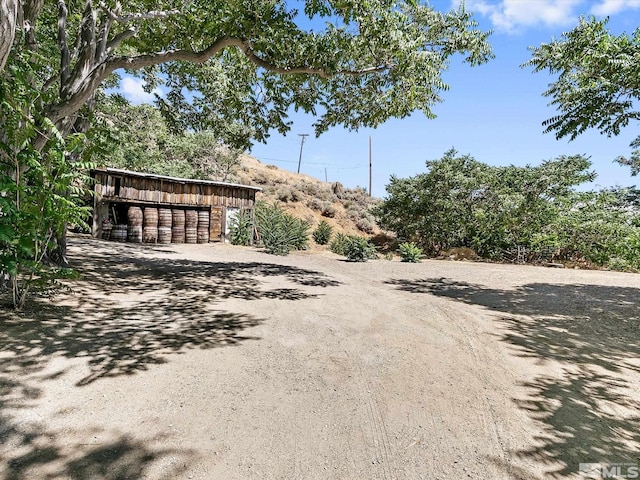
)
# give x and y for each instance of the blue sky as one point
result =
(493, 112)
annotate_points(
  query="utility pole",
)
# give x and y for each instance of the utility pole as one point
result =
(303, 136)
(370, 165)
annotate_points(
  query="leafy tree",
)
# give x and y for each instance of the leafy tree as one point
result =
(36, 203)
(236, 68)
(233, 69)
(598, 83)
(138, 138)
(461, 202)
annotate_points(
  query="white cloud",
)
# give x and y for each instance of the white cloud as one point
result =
(133, 90)
(611, 7)
(508, 15)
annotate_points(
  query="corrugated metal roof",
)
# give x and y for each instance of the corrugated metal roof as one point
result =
(129, 173)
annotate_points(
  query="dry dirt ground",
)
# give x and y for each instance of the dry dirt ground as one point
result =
(220, 362)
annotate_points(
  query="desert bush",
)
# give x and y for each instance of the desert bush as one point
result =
(241, 228)
(359, 249)
(328, 210)
(308, 188)
(297, 195)
(280, 232)
(410, 252)
(339, 244)
(284, 194)
(315, 204)
(322, 233)
(365, 225)
(260, 178)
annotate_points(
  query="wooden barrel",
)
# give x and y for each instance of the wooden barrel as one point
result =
(203, 218)
(190, 235)
(134, 217)
(150, 217)
(202, 235)
(106, 230)
(150, 234)
(191, 219)
(119, 233)
(134, 234)
(164, 234)
(164, 217)
(177, 235)
(202, 232)
(178, 217)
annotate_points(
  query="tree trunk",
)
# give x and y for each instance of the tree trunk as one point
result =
(8, 20)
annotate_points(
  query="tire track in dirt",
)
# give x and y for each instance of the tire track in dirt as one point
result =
(469, 337)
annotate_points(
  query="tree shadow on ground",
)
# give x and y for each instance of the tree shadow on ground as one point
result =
(29, 450)
(129, 311)
(590, 412)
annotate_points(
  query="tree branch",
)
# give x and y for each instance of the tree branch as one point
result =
(103, 35)
(89, 83)
(62, 42)
(118, 39)
(8, 21)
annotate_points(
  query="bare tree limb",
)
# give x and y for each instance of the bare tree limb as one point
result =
(103, 36)
(86, 55)
(62, 42)
(31, 9)
(8, 22)
(118, 39)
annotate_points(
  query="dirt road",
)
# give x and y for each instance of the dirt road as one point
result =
(220, 362)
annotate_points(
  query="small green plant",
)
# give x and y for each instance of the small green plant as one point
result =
(241, 228)
(410, 252)
(280, 232)
(322, 233)
(339, 244)
(359, 249)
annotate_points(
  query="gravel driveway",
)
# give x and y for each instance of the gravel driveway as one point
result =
(221, 362)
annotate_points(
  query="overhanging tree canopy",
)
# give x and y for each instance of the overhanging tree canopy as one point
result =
(598, 83)
(237, 67)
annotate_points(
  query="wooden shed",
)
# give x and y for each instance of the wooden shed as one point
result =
(154, 208)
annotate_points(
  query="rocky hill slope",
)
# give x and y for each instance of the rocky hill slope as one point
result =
(346, 210)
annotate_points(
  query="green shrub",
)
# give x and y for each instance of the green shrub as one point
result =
(359, 249)
(280, 232)
(241, 228)
(339, 244)
(410, 252)
(322, 234)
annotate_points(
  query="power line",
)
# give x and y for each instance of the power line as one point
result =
(339, 165)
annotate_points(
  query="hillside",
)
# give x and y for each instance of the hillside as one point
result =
(346, 210)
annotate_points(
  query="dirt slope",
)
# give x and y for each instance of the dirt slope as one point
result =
(220, 362)
(346, 210)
